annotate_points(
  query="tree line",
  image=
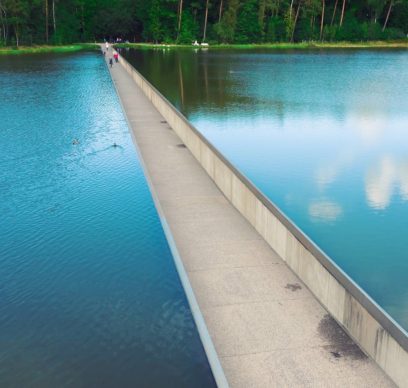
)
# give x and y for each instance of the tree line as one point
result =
(31, 22)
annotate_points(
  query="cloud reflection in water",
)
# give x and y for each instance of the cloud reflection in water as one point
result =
(384, 180)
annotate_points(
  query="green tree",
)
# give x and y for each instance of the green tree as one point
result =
(247, 28)
(17, 11)
(225, 30)
(241, 21)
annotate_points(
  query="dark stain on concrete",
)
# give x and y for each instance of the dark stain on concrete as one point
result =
(336, 354)
(293, 286)
(380, 337)
(163, 121)
(341, 345)
(181, 145)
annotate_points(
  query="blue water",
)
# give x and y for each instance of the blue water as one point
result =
(324, 134)
(89, 294)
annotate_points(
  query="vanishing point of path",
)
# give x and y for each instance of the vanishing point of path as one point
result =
(267, 328)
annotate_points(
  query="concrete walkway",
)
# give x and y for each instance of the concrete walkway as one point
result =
(267, 328)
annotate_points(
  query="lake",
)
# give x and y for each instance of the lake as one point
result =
(89, 293)
(322, 133)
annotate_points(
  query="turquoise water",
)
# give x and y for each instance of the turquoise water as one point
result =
(324, 134)
(89, 294)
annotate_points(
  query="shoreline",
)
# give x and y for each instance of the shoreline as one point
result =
(39, 49)
(47, 49)
(403, 44)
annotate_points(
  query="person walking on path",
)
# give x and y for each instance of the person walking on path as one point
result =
(116, 56)
(111, 62)
(107, 46)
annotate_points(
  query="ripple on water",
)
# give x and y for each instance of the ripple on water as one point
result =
(89, 295)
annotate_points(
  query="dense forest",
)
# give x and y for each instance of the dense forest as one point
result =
(31, 22)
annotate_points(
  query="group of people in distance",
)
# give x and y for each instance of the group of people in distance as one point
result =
(115, 55)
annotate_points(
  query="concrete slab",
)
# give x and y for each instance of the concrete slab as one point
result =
(255, 327)
(227, 254)
(226, 286)
(291, 368)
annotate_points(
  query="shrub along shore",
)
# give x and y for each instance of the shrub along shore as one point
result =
(47, 49)
(269, 46)
(279, 46)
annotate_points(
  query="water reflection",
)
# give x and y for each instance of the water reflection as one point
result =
(325, 211)
(384, 180)
(327, 173)
(324, 134)
(89, 294)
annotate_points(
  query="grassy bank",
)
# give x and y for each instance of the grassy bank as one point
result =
(271, 46)
(46, 49)
(282, 46)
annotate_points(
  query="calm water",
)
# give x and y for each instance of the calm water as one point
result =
(89, 294)
(323, 134)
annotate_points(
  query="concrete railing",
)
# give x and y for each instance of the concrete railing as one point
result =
(371, 328)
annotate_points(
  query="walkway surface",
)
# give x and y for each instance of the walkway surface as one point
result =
(267, 328)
